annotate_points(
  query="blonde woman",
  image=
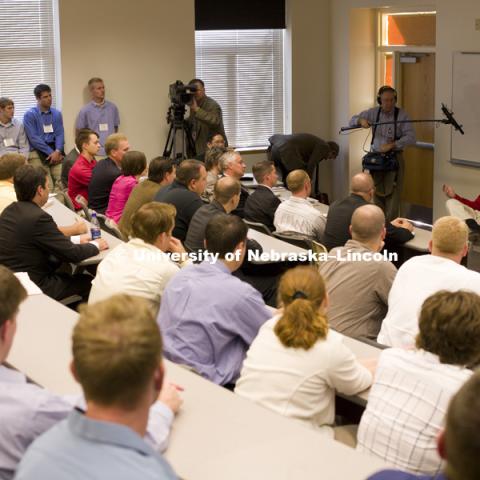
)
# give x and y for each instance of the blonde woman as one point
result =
(295, 364)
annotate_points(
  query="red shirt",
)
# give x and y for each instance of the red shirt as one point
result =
(475, 204)
(79, 177)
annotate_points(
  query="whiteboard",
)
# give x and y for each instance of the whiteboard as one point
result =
(466, 108)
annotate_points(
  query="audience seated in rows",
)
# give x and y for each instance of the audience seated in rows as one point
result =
(207, 316)
(9, 163)
(295, 364)
(184, 194)
(141, 266)
(457, 444)
(35, 244)
(421, 276)
(340, 214)
(134, 166)
(297, 214)
(212, 158)
(161, 172)
(232, 165)
(106, 172)
(13, 138)
(81, 172)
(358, 288)
(412, 388)
(28, 410)
(226, 198)
(262, 204)
(117, 359)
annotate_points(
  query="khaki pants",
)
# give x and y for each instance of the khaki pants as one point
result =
(54, 172)
(462, 211)
(388, 189)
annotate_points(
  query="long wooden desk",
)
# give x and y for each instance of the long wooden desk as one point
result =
(217, 434)
(63, 216)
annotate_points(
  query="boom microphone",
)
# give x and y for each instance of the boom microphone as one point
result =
(451, 120)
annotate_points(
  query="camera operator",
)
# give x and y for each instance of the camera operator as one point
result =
(205, 117)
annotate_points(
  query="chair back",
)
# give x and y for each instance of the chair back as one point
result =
(294, 238)
(258, 226)
(109, 226)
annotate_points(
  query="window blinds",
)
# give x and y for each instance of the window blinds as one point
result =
(27, 50)
(243, 72)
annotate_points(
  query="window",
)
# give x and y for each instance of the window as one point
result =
(243, 72)
(27, 50)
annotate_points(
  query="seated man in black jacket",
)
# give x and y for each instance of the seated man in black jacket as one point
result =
(107, 171)
(31, 242)
(340, 214)
(184, 194)
(262, 203)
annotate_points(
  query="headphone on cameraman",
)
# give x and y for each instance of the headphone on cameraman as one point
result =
(385, 88)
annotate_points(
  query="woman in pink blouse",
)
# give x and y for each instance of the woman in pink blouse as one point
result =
(134, 165)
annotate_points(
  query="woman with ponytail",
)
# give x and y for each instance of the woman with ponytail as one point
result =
(295, 364)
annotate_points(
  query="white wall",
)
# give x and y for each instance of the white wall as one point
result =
(138, 47)
(455, 31)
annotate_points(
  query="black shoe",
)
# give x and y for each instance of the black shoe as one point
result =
(473, 225)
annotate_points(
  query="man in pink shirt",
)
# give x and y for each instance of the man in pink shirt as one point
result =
(88, 144)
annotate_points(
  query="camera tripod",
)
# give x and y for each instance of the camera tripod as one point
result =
(179, 145)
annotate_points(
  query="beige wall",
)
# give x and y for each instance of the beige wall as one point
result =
(455, 31)
(138, 47)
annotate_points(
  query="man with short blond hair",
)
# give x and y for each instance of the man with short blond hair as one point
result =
(358, 288)
(106, 172)
(9, 163)
(99, 115)
(297, 214)
(424, 275)
(117, 359)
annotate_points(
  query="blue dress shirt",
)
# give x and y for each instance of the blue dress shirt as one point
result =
(209, 318)
(27, 411)
(34, 121)
(78, 448)
(398, 475)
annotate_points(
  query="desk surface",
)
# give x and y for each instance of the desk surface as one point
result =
(273, 244)
(420, 241)
(63, 216)
(217, 434)
(220, 435)
(42, 345)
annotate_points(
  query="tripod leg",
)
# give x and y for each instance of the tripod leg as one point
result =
(168, 144)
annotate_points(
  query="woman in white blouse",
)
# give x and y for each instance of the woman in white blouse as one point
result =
(295, 364)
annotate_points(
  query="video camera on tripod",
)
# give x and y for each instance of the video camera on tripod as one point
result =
(180, 96)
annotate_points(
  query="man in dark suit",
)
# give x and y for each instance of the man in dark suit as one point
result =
(184, 194)
(31, 242)
(262, 203)
(340, 214)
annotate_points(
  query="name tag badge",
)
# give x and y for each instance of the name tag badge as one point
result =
(8, 142)
(48, 128)
(103, 127)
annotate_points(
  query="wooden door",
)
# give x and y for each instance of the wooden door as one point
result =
(417, 89)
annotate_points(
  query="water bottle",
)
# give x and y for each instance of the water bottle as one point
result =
(95, 227)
